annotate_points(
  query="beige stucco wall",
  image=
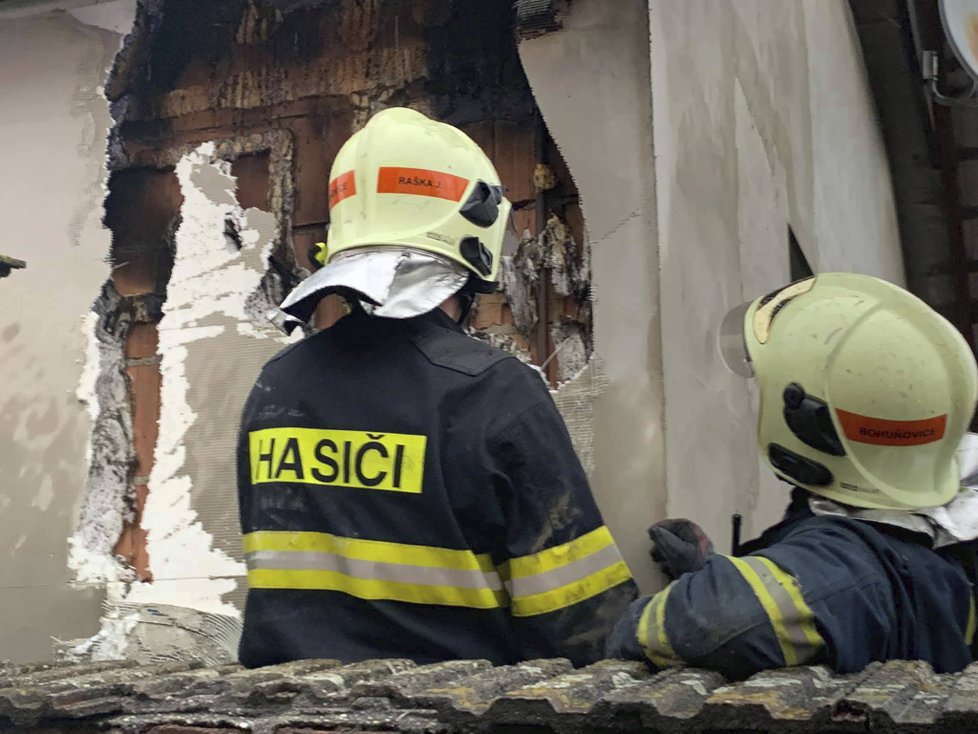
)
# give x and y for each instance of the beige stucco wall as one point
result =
(697, 131)
(591, 82)
(763, 118)
(752, 116)
(52, 143)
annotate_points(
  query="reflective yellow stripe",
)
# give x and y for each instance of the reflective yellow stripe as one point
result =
(572, 593)
(764, 315)
(806, 617)
(372, 569)
(561, 555)
(969, 632)
(780, 597)
(564, 575)
(367, 550)
(652, 631)
(373, 589)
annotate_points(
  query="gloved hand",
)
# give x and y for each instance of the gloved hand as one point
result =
(679, 546)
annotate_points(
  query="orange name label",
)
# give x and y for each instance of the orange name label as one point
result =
(342, 187)
(882, 432)
(421, 182)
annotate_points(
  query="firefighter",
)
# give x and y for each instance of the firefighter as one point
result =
(405, 490)
(865, 397)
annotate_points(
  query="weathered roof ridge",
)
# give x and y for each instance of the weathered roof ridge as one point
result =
(469, 695)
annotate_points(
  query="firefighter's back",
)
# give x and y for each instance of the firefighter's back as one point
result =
(370, 514)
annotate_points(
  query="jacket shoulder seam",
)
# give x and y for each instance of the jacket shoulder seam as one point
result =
(290, 348)
(446, 350)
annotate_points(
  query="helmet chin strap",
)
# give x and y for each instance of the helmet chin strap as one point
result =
(466, 299)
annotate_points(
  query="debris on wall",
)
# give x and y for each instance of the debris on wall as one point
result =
(575, 401)
(256, 79)
(104, 387)
(520, 280)
(573, 348)
(539, 17)
(157, 633)
(555, 256)
(207, 297)
(217, 293)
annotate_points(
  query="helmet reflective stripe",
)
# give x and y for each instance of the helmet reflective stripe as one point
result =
(341, 187)
(865, 391)
(771, 305)
(863, 429)
(421, 182)
(409, 182)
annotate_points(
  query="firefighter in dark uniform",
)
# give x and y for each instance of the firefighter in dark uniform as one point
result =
(865, 397)
(407, 491)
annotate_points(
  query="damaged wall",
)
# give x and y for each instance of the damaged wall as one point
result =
(53, 123)
(756, 117)
(690, 169)
(213, 338)
(227, 117)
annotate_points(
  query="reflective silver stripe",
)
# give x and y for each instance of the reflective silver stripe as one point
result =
(375, 570)
(791, 618)
(564, 575)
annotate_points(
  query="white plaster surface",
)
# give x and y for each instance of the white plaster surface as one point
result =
(591, 82)
(762, 118)
(752, 116)
(116, 15)
(52, 130)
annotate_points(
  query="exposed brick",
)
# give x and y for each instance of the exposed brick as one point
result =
(142, 341)
(145, 382)
(490, 311)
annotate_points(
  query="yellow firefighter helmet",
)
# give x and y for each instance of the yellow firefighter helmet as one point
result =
(865, 391)
(410, 182)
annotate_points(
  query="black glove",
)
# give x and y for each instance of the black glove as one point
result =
(679, 546)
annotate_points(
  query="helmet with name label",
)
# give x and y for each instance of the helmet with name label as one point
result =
(410, 182)
(865, 391)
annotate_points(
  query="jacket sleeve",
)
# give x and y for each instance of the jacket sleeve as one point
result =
(565, 577)
(735, 615)
(819, 595)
